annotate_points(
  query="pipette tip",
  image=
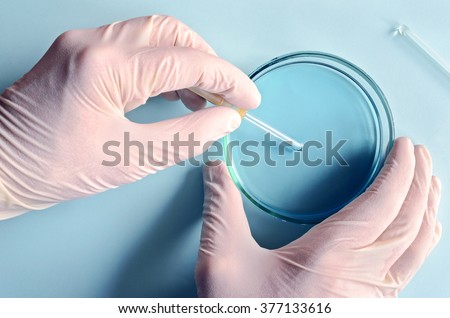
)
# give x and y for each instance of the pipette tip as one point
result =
(401, 29)
(294, 145)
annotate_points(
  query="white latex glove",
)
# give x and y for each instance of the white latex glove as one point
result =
(55, 120)
(372, 247)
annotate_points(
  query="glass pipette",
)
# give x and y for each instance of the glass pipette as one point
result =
(219, 101)
(420, 44)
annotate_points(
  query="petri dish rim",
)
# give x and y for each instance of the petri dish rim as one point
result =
(371, 90)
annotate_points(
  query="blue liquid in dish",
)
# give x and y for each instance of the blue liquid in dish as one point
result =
(320, 106)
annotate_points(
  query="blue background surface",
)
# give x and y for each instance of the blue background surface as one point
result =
(142, 239)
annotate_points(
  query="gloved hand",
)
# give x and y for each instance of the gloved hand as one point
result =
(54, 122)
(372, 247)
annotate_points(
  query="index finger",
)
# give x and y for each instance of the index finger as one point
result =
(164, 32)
(155, 31)
(167, 69)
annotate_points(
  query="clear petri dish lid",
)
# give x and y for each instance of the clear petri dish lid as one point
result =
(341, 116)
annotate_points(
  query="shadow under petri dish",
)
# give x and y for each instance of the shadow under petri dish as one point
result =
(341, 116)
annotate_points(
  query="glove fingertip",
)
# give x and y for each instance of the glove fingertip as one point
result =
(225, 118)
(403, 145)
(247, 96)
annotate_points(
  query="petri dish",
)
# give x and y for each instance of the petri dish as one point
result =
(340, 115)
